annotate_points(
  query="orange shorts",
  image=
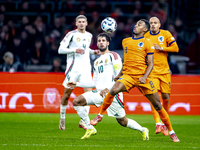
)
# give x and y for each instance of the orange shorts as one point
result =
(162, 82)
(131, 81)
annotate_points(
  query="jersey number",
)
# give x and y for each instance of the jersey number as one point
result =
(151, 83)
(100, 69)
(84, 46)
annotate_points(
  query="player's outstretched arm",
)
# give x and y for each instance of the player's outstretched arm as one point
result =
(95, 52)
(81, 84)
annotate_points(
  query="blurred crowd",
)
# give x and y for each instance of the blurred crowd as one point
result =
(28, 36)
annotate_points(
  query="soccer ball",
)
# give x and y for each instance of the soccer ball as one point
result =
(109, 25)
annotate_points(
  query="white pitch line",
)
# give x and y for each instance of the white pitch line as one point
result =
(85, 145)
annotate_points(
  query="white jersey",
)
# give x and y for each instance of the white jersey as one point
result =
(106, 68)
(72, 41)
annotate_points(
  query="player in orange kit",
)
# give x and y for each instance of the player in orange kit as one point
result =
(135, 73)
(163, 42)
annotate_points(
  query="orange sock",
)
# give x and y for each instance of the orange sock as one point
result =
(165, 118)
(166, 104)
(106, 103)
(155, 114)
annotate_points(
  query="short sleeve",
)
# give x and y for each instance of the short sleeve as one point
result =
(149, 47)
(117, 62)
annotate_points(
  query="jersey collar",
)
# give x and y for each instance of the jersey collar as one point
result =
(155, 33)
(137, 38)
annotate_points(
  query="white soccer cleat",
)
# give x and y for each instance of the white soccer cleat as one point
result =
(62, 124)
(82, 125)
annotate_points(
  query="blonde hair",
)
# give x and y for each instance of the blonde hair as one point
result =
(81, 16)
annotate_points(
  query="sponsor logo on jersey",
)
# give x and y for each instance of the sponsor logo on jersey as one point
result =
(106, 60)
(116, 114)
(78, 39)
(160, 38)
(101, 61)
(94, 91)
(96, 63)
(84, 39)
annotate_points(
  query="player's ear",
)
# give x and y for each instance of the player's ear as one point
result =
(108, 43)
(159, 25)
(145, 30)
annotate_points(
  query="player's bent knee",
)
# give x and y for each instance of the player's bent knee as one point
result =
(122, 121)
(157, 107)
(165, 96)
(79, 101)
(75, 102)
(114, 91)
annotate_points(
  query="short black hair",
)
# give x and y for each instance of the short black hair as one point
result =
(104, 35)
(146, 24)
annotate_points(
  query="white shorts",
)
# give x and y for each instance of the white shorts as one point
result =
(77, 77)
(116, 109)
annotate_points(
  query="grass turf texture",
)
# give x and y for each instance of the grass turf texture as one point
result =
(40, 131)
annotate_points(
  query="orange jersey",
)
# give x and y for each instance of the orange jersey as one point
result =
(135, 52)
(165, 40)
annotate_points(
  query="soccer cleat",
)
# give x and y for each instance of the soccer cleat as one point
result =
(62, 124)
(97, 119)
(174, 138)
(82, 125)
(164, 130)
(158, 129)
(145, 134)
(89, 132)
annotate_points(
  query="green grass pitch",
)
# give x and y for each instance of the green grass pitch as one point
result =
(27, 131)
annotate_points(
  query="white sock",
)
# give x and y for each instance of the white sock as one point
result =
(62, 111)
(134, 125)
(82, 112)
(87, 109)
(158, 123)
(100, 115)
(171, 132)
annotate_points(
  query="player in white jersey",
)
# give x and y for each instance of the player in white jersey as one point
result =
(76, 44)
(106, 68)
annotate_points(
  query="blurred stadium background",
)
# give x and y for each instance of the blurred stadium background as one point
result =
(32, 30)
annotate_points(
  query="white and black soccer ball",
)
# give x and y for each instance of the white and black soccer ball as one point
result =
(108, 25)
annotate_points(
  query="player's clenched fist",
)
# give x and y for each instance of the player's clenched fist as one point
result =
(80, 51)
(71, 84)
